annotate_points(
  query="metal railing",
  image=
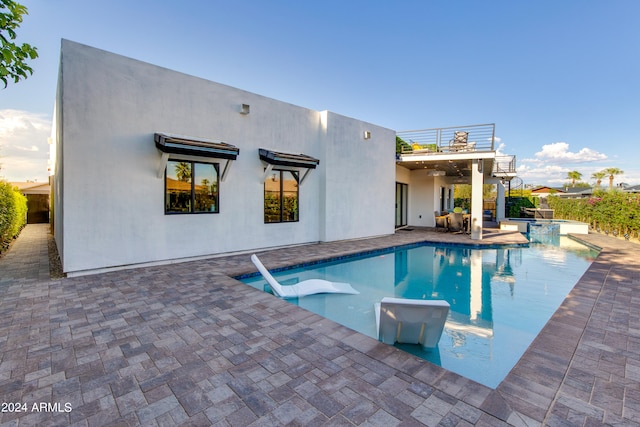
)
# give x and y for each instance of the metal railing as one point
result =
(504, 166)
(436, 140)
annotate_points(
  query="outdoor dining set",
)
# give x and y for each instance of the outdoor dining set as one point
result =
(454, 222)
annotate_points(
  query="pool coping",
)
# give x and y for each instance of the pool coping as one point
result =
(382, 251)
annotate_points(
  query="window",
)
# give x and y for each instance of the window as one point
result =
(191, 187)
(281, 196)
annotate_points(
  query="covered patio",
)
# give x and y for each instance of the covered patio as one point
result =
(432, 161)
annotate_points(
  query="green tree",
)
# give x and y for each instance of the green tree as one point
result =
(402, 145)
(598, 177)
(573, 176)
(612, 172)
(463, 191)
(13, 57)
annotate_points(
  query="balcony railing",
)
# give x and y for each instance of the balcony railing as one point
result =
(446, 140)
(504, 166)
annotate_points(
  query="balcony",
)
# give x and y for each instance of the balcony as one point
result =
(451, 151)
(504, 167)
(470, 138)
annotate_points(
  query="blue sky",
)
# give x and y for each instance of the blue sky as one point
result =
(558, 78)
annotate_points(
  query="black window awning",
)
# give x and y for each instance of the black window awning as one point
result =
(275, 158)
(195, 147)
(286, 159)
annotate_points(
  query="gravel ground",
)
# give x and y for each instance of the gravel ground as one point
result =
(55, 266)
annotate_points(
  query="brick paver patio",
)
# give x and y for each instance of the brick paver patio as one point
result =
(185, 344)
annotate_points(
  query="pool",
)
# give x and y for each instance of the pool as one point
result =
(500, 297)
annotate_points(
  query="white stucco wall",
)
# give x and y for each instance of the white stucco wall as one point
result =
(359, 185)
(111, 200)
(56, 179)
(424, 195)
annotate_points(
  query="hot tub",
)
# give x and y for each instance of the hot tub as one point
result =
(524, 225)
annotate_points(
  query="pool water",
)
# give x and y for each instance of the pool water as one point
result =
(500, 297)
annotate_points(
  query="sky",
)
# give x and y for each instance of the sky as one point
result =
(560, 79)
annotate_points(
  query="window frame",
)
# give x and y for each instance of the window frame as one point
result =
(193, 163)
(281, 193)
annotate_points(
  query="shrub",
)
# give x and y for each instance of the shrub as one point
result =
(516, 203)
(13, 213)
(612, 212)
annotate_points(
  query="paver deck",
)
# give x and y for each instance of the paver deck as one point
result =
(187, 344)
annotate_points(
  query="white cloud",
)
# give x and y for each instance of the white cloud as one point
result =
(550, 174)
(500, 149)
(536, 173)
(23, 145)
(559, 152)
(550, 165)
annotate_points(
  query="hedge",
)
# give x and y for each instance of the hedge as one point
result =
(515, 205)
(611, 212)
(13, 213)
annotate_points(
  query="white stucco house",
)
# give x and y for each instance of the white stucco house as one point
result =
(150, 165)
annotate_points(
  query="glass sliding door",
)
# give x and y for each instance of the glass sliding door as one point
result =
(402, 196)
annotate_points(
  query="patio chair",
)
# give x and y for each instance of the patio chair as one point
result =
(456, 222)
(411, 321)
(459, 141)
(304, 288)
(441, 221)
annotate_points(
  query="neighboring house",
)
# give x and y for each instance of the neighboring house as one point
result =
(576, 192)
(544, 192)
(564, 192)
(37, 194)
(151, 166)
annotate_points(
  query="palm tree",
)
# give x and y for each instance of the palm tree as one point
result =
(598, 177)
(612, 172)
(573, 175)
(183, 171)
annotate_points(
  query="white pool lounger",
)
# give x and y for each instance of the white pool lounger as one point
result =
(411, 321)
(304, 288)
